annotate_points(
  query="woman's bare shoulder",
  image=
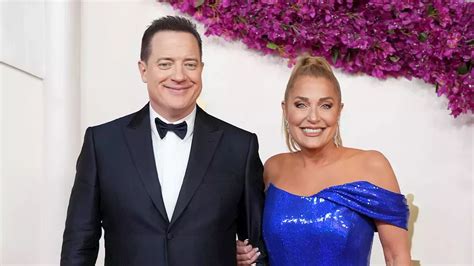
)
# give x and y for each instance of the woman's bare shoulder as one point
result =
(274, 164)
(377, 169)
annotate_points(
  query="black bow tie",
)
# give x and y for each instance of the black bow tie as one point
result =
(163, 128)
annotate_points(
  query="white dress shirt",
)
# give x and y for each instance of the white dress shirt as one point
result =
(171, 158)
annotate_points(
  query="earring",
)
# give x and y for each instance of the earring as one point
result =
(286, 125)
(336, 136)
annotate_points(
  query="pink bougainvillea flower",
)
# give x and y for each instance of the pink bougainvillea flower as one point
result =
(430, 40)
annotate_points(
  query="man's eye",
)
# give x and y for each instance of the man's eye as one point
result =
(191, 66)
(164, 65)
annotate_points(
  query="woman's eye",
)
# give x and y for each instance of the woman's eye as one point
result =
(300, 105)
(326, 106)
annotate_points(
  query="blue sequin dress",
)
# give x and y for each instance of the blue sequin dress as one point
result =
(333, 227)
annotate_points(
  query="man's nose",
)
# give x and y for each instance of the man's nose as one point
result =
(178, 74)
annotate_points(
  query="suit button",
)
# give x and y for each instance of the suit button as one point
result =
(169, 236)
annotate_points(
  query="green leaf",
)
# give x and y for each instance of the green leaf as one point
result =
(432, 12)
(394, 58)
(406, 32)
(242, 19)
(422, 37)
(391, 32)
(272, 46)
(198, 3)
(470, 42)
(349, 55)
(335, 55)
(464, 68)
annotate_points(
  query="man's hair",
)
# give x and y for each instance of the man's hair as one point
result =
(168, 23)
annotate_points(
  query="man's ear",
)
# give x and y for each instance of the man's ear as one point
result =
(142, 68)
(202, 66)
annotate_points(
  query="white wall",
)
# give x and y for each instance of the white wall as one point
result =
(40, 122)
(1, 164)
(430, 151)
(21, 126)
(22, 166)
(22, 29)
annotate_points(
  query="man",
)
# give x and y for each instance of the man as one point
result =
(169, 184)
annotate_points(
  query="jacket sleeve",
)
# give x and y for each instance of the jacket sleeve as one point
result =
(83, 223)
(251, 205)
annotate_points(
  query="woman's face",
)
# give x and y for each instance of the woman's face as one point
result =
(312, 111)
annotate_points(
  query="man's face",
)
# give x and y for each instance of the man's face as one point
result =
(173, 73)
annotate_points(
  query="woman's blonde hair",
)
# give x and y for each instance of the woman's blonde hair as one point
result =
(316, 67)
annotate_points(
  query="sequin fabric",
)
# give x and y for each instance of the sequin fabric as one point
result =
(333, 227)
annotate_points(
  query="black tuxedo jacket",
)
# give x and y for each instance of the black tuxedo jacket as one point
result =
(117, 188)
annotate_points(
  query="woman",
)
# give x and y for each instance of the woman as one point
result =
(324, 201)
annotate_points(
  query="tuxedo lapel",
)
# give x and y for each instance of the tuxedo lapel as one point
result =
(205, 139)
(138, 136)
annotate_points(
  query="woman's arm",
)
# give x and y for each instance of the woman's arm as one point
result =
(394, 239)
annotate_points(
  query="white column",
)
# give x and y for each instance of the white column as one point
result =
(1, 156)
(62, 119)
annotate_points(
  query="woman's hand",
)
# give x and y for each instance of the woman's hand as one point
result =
(246, 254)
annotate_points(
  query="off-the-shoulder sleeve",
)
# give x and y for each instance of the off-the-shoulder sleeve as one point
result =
(370, 200)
